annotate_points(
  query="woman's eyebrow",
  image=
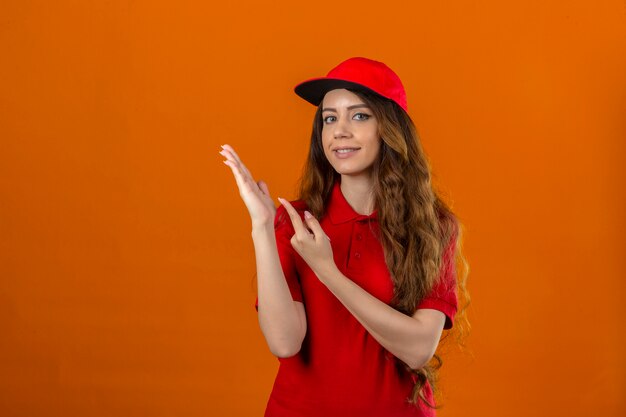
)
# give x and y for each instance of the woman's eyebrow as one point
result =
(354, 106)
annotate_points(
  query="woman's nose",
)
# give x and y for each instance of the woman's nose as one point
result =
(342, 129)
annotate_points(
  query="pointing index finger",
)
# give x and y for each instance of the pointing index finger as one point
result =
(296, 221)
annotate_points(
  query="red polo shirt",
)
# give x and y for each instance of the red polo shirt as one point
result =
(341, 370)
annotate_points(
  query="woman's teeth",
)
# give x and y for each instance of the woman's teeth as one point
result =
(345, 150)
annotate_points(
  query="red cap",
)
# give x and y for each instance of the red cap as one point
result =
(356, 73)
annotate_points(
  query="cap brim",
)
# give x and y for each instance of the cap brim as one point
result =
(315, 89)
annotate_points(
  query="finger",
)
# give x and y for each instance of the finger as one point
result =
(230, 149)
(243, 172)
(239, 178)
(296, 221)
(231, 157)
(244, 183)
(263, 186)
(315, 226)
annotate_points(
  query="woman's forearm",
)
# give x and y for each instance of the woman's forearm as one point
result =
(281, 319)
(408, 338)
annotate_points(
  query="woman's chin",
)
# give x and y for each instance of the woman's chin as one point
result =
(352, 172)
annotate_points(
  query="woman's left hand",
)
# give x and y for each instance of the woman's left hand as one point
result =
(313, 247)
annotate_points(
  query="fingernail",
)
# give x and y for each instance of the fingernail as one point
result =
(308, 215)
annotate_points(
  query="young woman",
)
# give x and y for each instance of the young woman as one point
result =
(357, 278)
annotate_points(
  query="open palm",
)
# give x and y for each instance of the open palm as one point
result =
(255, 195)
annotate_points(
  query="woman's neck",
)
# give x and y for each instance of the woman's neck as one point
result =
(358, 193)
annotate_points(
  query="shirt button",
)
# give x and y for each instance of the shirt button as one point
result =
(359, 236)
(357, 255)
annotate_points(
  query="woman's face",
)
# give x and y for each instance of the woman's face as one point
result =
(349, 133)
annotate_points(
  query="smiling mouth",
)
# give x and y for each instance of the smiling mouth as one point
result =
(346, 150)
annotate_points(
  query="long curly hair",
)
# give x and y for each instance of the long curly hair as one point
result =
(416, 225)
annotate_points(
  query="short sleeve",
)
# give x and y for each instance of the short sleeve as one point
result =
(283, 230)
(443, 296)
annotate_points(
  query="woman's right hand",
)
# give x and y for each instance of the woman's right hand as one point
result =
(255, 195)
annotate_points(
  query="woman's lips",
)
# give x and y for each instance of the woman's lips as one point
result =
(345, 153)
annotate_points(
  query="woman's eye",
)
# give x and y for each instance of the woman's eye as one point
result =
(357, 116)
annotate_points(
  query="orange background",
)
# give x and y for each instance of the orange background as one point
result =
(126, 264)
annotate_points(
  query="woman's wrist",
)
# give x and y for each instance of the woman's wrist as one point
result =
(260, 228)
(327, 272)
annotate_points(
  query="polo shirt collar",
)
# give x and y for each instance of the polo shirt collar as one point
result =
(340, 211)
